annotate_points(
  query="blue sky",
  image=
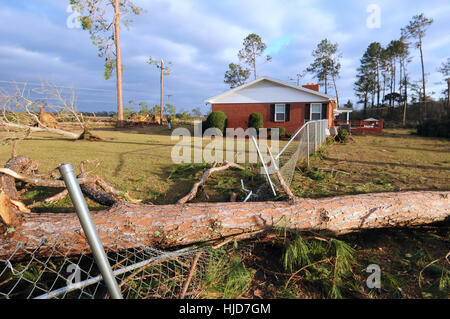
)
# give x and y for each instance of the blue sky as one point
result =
(201, 37)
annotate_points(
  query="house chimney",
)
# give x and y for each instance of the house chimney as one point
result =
(311, 86)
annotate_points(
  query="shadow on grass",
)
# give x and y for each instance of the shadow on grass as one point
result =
(336, 160)
(38, 194)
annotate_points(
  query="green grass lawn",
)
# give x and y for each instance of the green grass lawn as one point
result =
(392, 161)
(138, 160)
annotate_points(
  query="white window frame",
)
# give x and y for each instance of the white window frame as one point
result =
(311, 111)
(284, 112)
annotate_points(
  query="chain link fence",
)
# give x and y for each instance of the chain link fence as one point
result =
(305, 142)
(142, 272)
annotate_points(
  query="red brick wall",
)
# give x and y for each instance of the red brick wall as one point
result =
(238, 115)
(314, 87)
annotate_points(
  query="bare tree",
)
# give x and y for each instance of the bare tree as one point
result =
(102, 19)
(27, 110)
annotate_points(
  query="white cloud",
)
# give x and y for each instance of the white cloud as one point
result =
(202, 37)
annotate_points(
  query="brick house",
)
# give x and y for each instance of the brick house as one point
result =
(281, 104)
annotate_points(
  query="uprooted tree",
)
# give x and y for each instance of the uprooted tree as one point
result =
(184, 224)
(26, 110)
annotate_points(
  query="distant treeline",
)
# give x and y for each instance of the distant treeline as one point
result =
(392, 116)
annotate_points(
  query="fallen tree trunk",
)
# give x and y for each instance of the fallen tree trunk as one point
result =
(15, 126)
(174, 225)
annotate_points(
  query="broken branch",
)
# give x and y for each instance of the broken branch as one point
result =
(191, 195)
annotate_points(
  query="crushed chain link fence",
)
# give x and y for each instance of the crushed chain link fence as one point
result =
(142, 272)
(305, 142)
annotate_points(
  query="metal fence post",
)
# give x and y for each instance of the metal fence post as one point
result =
(89, 229)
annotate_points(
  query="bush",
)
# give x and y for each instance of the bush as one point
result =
(256, 121)
(342, 136)
(434, 128)
(217, 119)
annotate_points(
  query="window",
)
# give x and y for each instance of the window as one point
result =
(280, 112)
(316, 111)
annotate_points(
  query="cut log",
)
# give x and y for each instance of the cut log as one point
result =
(8, 214)
(175, 225)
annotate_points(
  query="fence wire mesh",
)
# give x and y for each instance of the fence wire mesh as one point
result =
(303, 143)
(142, 272)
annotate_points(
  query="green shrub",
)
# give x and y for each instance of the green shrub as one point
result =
(434, 128)
(217, 119)
(342, 136)
(256, 121)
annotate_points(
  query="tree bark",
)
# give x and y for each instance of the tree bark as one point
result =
(162, 94)
(405, 106)
(118, 64)
(448, 98)
(424, 97)
(336, 90)
(174, 225)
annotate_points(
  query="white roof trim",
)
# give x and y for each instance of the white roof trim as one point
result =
(212, 100)
(343, 110)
